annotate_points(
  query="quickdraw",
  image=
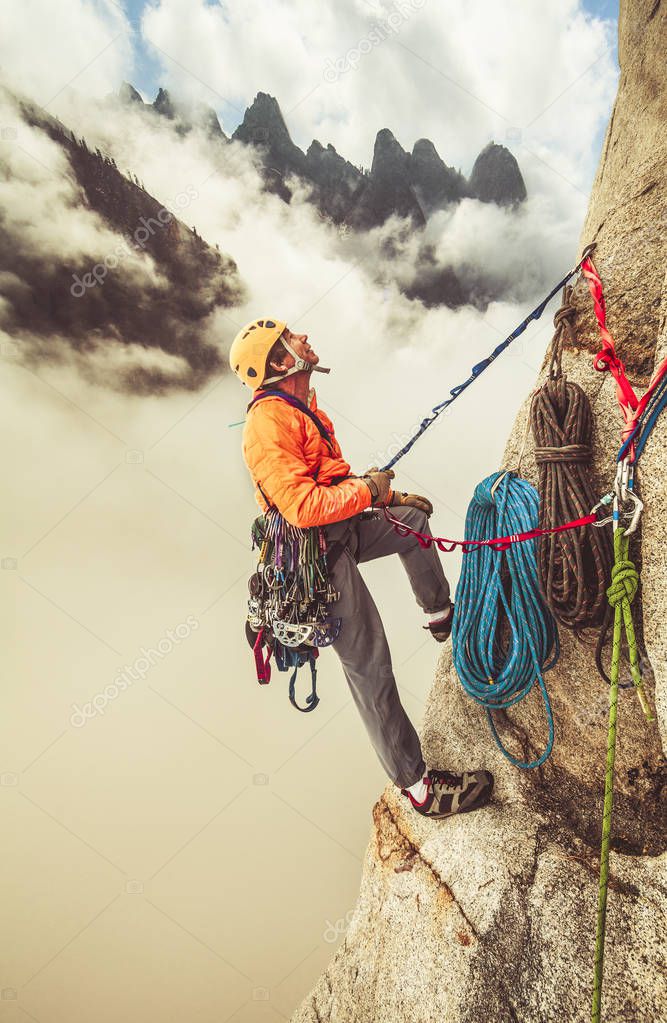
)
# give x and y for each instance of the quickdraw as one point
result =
(479, 368)
(290, 592)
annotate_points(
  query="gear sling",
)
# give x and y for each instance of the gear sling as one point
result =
(290, 589)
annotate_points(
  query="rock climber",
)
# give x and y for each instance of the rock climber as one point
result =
(299, 469)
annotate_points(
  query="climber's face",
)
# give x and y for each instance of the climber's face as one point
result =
(302, 347)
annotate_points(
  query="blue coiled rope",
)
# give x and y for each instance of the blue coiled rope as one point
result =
(503, 633)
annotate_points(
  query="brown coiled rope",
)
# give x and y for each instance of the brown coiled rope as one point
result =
(573, 567)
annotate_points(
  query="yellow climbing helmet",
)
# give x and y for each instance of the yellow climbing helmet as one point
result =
(250, 347)
(252, 344)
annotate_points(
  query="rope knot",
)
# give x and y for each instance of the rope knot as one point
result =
(565, 312)
(624, 583)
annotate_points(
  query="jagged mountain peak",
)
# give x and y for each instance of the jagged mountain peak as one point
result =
(389, 157)
(435, 183)
(128, 94)
(496, 176)
(316, 147)
(163, 104)
(411, 185)
(424, 148)
(188, 115)
(263, 122)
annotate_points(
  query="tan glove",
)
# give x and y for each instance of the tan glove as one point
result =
(378, 484)
(413, 500)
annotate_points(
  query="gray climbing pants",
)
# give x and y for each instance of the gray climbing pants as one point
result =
(362, 644)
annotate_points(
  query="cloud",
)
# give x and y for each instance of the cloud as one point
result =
(73, 279)
(341, 289)
(45, 214)
(47, 48)
(457, 74)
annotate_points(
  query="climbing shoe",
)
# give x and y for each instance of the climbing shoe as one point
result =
(448, 793)
(440, 628)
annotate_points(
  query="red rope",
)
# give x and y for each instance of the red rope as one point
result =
(607, 359)
(498, 543)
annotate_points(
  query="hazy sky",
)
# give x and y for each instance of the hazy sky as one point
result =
(459, 74)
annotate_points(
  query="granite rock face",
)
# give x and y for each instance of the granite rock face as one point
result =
(491, 917)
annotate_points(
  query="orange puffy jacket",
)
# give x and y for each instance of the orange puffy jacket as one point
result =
(295, 467)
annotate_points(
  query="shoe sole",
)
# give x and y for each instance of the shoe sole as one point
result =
(483, 800)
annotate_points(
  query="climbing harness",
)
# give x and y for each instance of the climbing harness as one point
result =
(503, 636)
(288, 604)
(291, 399)
(479, 368)
(573, 565)
(290, 591)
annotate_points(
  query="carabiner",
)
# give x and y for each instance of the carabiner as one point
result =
(602, 503)
(620, 485)
(588, 251)
(636, 513)
(624, 492)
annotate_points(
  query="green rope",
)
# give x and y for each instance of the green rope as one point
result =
(621, 593)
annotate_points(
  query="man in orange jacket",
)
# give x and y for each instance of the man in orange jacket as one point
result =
(297, 466)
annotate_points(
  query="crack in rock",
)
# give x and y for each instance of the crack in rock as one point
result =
(381, 811)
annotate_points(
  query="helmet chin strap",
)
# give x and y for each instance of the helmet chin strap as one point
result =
(299, 365)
